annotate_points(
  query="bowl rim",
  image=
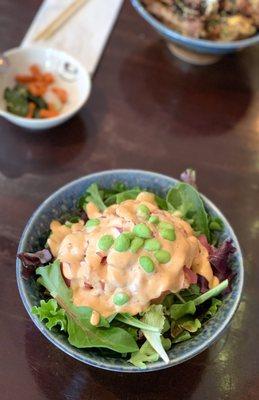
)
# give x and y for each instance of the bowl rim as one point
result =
(105, 365)
(172, 34)
(59, 118)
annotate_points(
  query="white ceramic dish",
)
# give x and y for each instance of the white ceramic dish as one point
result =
(69, 73)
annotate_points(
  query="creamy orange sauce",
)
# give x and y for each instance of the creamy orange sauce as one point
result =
(95, 318)
(96, 276)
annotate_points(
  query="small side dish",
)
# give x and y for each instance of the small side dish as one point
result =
(216, 20)
(132, 273)
(35, 95)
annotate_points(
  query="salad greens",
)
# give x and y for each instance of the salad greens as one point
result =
(81, 333)
(50, 311)
(182, 200)
(105, 198)
(185, 200)
(129, 320)
(146, 337)
(155, 316)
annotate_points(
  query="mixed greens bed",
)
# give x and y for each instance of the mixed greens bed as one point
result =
(143, 338)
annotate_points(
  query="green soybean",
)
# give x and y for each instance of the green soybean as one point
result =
(136, 244)
(142, 231)
(143, 211)
(120, 298)
(152, 245)
(153, 219)
(147, 264)
(165, 225)
(92, 222)
(105, 242)
(163, 256)
(130, 235)
(122, 242)
(168, 234)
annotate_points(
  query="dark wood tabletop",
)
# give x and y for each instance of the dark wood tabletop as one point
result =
(147, 110)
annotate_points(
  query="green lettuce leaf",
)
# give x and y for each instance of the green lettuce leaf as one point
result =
(213, 309)
(161, 202)
(117, 198)
(167, 303)
(191, 293)
(129, 320)
(182, 337)
(184, 199)
(81, 333)
(50, 311)
(154, 316)
(145, 354)
(94, 195)
(179, 310)
(214, 292)
(118, 187)
(189, 324)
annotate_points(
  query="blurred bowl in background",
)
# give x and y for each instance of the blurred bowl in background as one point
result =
(192, 50)
(69, 75)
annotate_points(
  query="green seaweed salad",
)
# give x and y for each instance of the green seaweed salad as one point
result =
(143, 338)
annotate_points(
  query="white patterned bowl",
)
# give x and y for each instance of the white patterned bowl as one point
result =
(70, 75)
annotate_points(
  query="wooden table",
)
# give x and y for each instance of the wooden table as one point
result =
(147, 110)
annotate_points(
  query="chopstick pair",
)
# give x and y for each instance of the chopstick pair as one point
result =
(60, 20)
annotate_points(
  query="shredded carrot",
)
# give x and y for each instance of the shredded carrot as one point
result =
(37, 88)
(49, 112)
(31, 108)
(35, 70)
(61, 93)
(44, 113)
(24, 78)
(48, 78)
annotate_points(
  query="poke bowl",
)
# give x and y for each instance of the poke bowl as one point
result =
(195, 50)
(116, 339)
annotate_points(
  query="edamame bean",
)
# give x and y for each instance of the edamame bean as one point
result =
(136, 244)
(120, 299)
(122, 242)
(147, 264)
(143, 211)
(163, 256)
(168, 234)
(142, 231)
(165, 225)
(92, 222)
(152, 245)
(130, 235)
(153, 219)
(105, 242)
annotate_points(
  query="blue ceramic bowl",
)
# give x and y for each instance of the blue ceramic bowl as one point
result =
(195, 45)
(64, 200)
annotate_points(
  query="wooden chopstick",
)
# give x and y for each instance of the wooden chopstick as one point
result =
(60, 20)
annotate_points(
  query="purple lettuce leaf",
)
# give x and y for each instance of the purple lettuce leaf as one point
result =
(202, 283)
(220, 260)
(189, 176)
(30, 261)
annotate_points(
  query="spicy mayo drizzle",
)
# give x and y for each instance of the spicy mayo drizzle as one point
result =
(96, 276)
